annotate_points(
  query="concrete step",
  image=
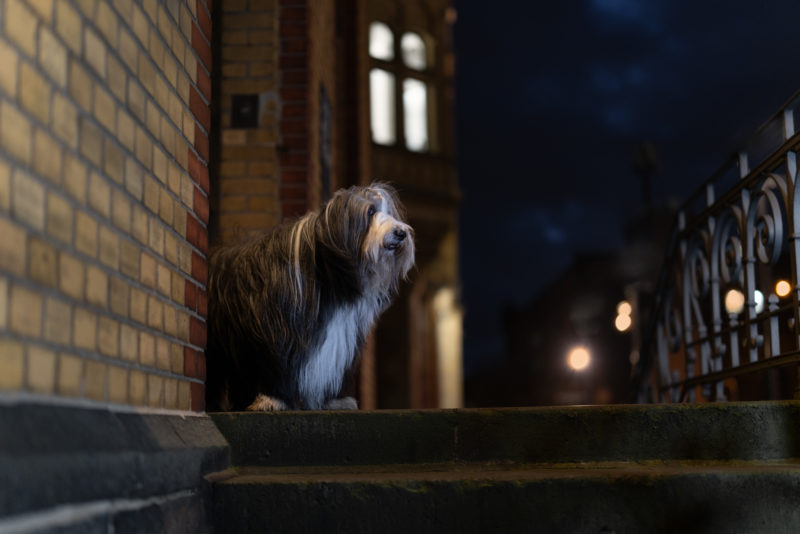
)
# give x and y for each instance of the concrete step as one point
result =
(590, 498)
(677, 468)
(744, 431)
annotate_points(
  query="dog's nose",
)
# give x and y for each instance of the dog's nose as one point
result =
(399, 234)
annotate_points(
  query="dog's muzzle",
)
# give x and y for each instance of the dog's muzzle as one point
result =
(395, 239)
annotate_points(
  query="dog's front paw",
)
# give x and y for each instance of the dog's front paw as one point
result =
(345, 403)
(267, 404)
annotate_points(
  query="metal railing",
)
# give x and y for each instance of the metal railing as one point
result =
(718, 310)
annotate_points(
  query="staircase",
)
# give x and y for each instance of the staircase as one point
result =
(595, 469)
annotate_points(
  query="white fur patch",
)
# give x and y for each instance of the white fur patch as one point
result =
(321, 376)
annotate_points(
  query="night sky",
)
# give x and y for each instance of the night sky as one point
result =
(553, 97)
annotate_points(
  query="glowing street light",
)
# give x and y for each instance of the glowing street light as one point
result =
(782, 288)
(623, 321)
(734, 301)
(578, 358)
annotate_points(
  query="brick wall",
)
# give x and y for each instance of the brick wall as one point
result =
(246, 198)
(104, 124)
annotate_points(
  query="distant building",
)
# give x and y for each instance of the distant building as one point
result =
(580, 309)
(315, 96)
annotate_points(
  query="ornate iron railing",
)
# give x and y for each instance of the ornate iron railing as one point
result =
(726, 303)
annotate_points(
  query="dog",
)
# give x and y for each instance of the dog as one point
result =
(289, 310)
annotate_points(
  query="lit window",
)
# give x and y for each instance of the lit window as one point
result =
(412, 48)
(381, 41)
(382, 106)
(415, 114)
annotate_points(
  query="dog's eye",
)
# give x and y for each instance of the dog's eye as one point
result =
(371, 211)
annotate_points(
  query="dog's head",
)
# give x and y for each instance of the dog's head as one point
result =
(367, 225)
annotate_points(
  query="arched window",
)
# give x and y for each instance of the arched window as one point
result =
(403, 70)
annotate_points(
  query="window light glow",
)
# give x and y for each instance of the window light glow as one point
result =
(412, 47)
(381, 41)
(415, 114)
(382, 107)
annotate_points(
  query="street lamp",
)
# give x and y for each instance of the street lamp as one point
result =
(578, 358)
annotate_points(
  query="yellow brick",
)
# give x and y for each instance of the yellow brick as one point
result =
(107, 336)
(96, 286)
(104, 109)
(155, 391)
(41, 369)
(152, 118)
(171, 394)
(147, 349)
(69, 26)
(138, 305)
(124, 7)
(162, 354)
(144, 148)
(186, 257)
(187, 191)
(84, 329)
(3, 303)
(65, 120)
(184, 86)
(96, 377)
(137, 388)
(117, 79)
(109, 248)
(164, 280)
(170, 320)
(91, 141)
(155, 313)
(128, 343)
(114, 165)
(171, 70)
(53, 57)
(184, 395)
(178, 287)
(128, 49)
(71, 280)
(70, 373)
(75, 177)
(27, 202)
(87, 6)
(140, 26)
(85, 234)
(129, 259)
(11, 364)
(147, 270)
(57, 321)
(13, 249)
(151, 194)
(118, 296)
(94, 52)
(134, 179)
(44, 8)
(121, 210)
(165, 207)
(42, 262)
(175, 109)
(156, 240)
(171, 247)
(99, 195)
(117, 384)
(126, 132)
(8, 74)
(183, 326)
(80, 85)
(59, 218)
(174, 178)
(136, 99)
(156, 49)
(26, 311)
(20, 26)
(5, 187)
(34, 93)
(15, 133)
(107, 22)
(176, 357)
(146, 72)
(47, 156)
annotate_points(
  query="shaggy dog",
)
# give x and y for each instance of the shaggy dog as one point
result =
(288, 311)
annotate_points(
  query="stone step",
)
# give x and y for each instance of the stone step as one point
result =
(742, 431)
(605, 497)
